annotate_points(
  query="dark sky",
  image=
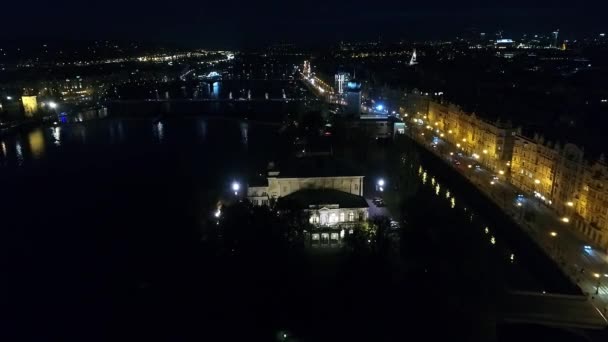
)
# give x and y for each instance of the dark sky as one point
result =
(238, 23)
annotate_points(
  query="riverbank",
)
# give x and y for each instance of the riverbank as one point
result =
(581, 264)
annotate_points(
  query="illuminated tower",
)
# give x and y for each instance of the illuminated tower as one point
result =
(306, 68)
(341, 79)
(555, 34)
(413, 60)
(353, 98)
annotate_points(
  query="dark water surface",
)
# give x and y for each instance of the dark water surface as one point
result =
(104, 237)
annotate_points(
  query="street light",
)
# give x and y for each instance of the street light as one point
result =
(553, 234)
(380, 184)
(536, 181)
(52, 105)
(570, 204)
(9, 98)
(565, 219)
(599, 281)
(236, 187)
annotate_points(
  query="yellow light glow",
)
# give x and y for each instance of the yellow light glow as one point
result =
(30, 105)
(565, 219)
(554, 234)
(501, 172)
(485, 151)
(457, 145)
(597, 275)
(570, 204)
(537, 181)
(36, 142)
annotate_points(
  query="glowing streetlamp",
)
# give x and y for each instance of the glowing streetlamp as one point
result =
(565, 219)
(236, 187)
(536, 181)
(553, 234)
(52, 105)
(570, 204)
(380, 184)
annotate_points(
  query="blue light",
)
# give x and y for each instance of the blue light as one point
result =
(587, 247)
(379, 107)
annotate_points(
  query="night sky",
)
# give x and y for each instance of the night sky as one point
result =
(239, 23)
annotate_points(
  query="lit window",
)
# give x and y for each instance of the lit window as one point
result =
(351, 216)
(333, 218)
(342, 217)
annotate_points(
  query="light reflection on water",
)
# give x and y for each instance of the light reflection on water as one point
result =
(36, 142)
(40, 143)
(56, 132)
(19, 153)
(488, 236)
(159, 131)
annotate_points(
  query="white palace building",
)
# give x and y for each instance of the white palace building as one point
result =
(328, 191)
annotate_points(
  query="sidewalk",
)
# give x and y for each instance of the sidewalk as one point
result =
(583, 264)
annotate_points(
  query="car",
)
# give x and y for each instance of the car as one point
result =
(520, 195)
(378, 202)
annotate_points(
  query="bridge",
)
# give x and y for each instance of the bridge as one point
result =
(313, 99)
(551, 309)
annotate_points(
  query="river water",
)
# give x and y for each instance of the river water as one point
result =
(92, 208)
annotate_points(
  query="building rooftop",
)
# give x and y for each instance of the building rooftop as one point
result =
(306, 198)
(317, 166)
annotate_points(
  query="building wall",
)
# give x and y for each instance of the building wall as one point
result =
(335, 217)
(353, 102)
(592, 204)
(533, 166)
(492, 142)
(279, 187)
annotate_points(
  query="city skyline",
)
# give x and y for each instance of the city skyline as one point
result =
(244, 24)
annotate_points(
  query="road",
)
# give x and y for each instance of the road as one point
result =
(586, 266)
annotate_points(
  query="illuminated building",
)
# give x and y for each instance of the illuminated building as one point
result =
(533, 165)
(592, 204)
(569, 173)
(492, 141)
(330, 194)
(341, 79)
(353, 98)
(555, 35)
(30, 105)
(551, 171)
